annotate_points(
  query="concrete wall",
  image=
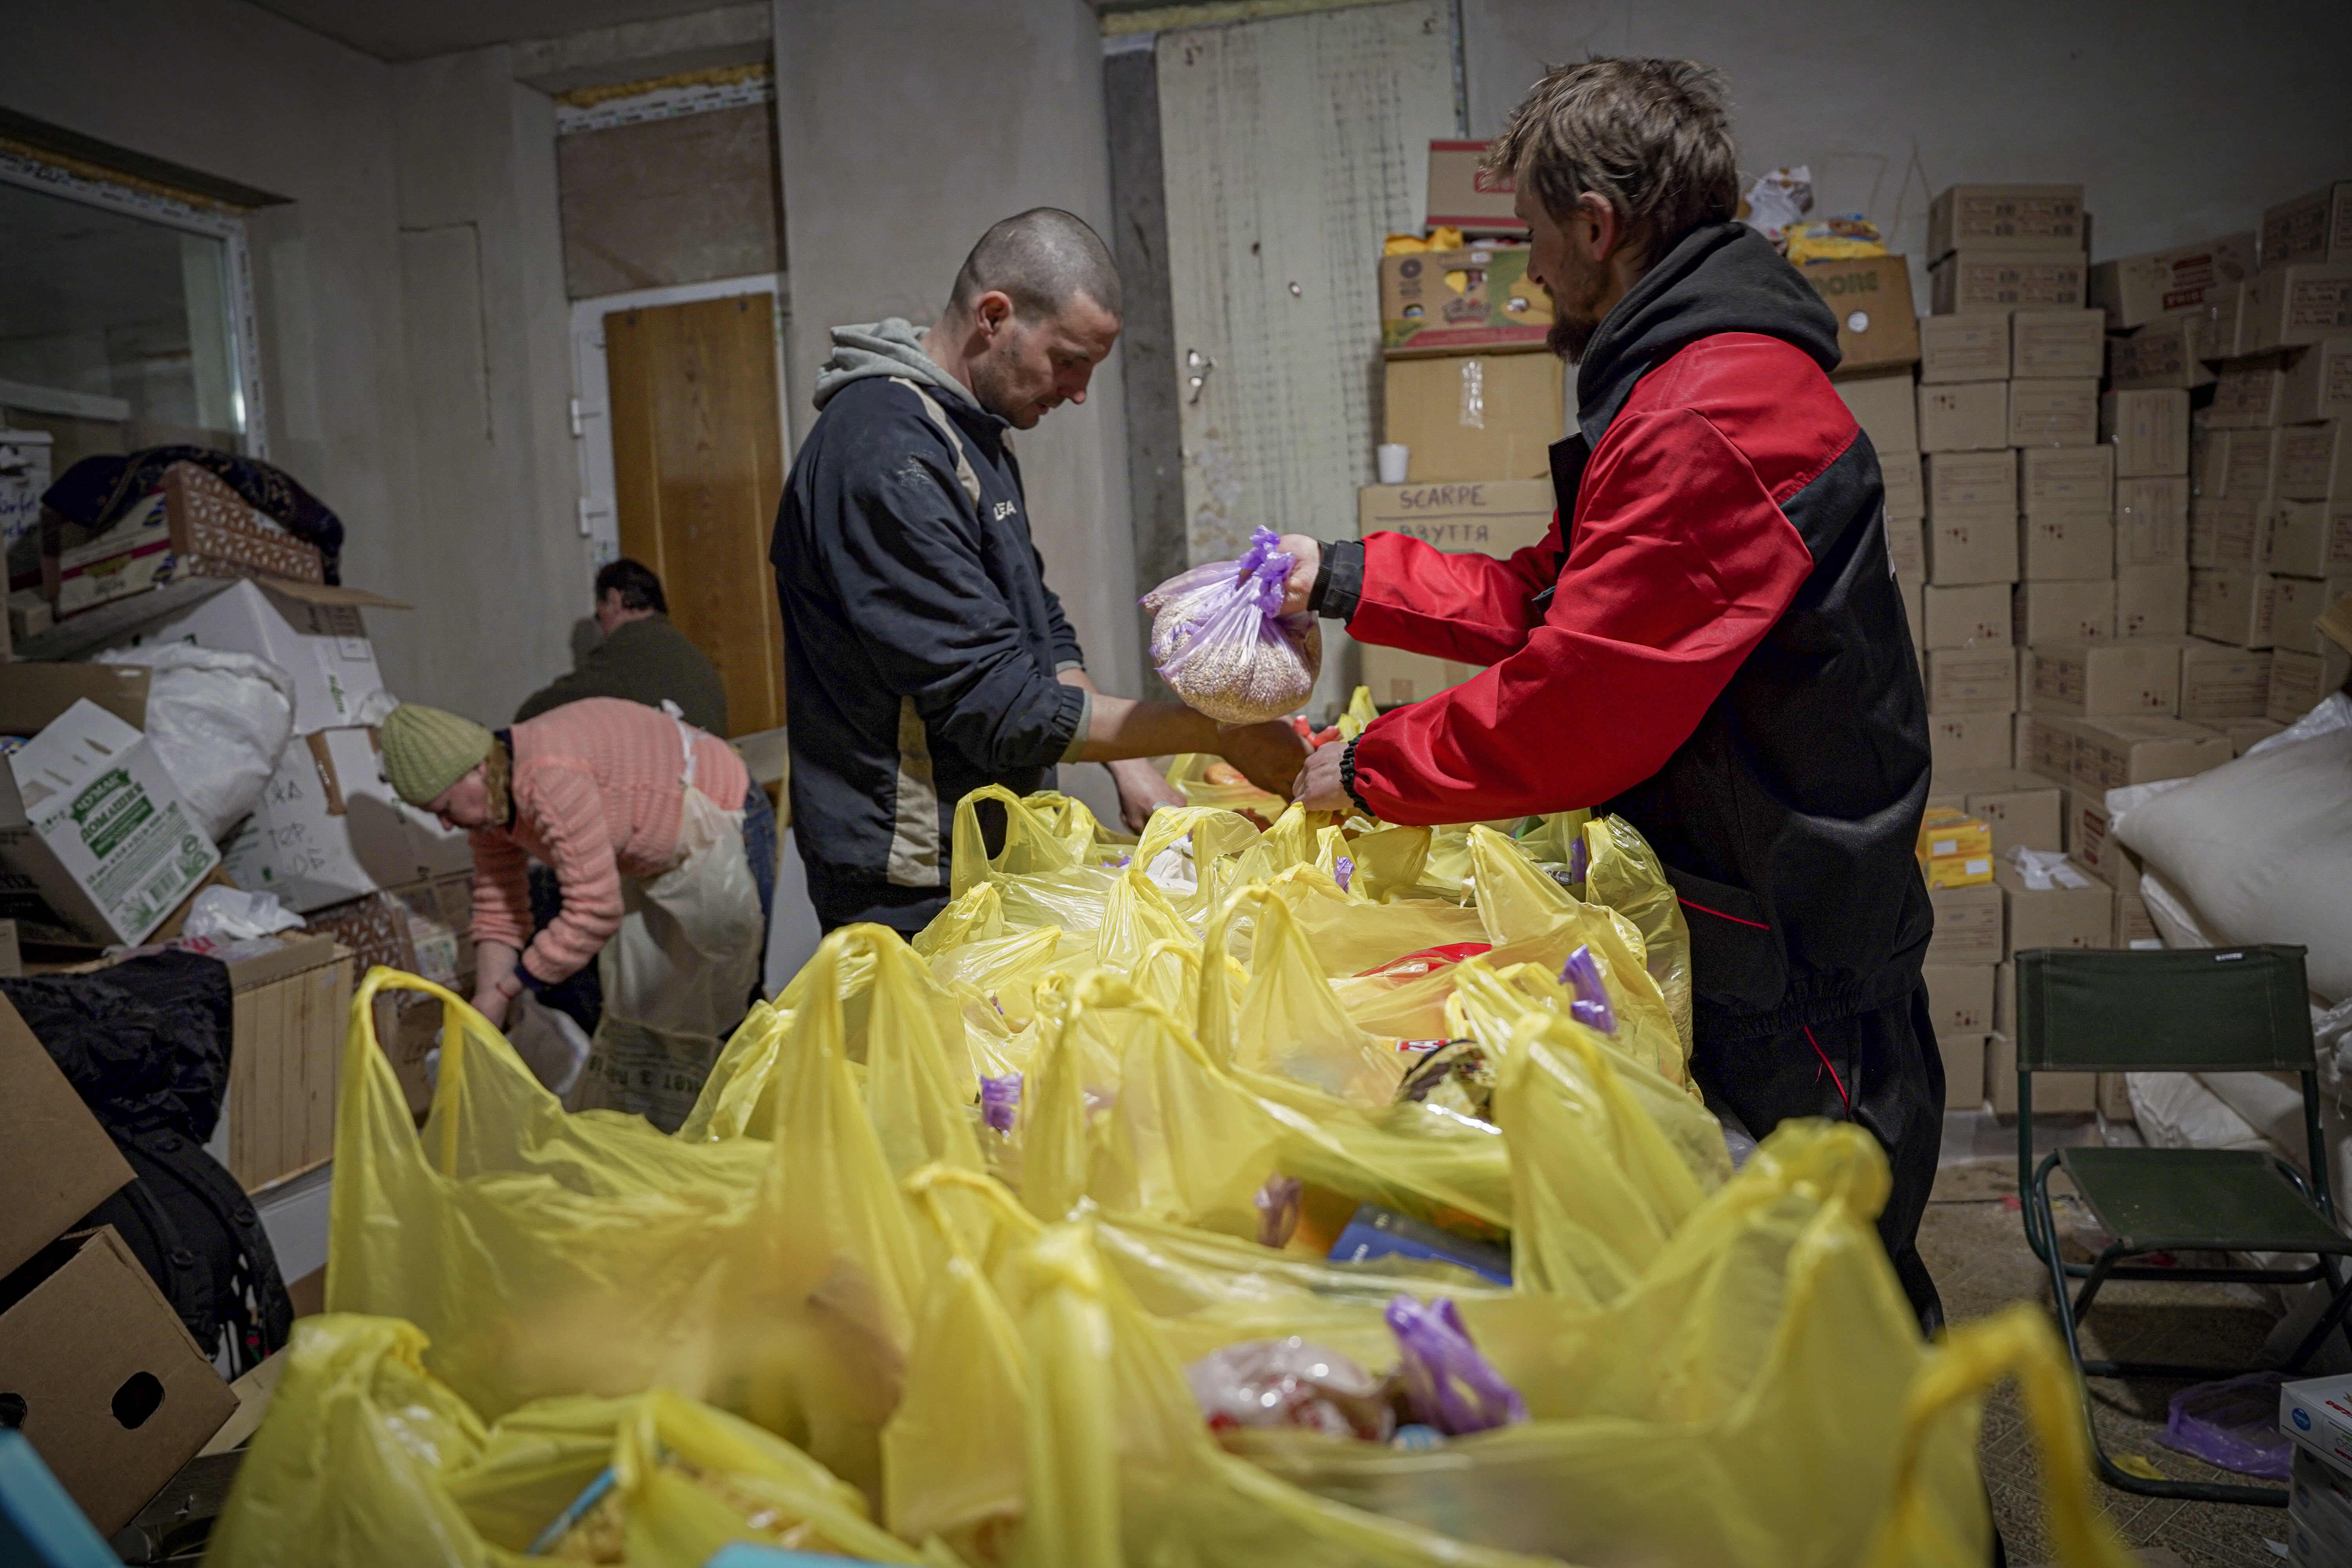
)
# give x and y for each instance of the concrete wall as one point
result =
(2182, 120)
(907, 128)
(432, 418)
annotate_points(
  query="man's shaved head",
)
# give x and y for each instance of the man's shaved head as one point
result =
(1040, 259)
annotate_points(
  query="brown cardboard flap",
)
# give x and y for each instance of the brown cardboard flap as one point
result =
(325, 763)
(32, 696)
(57, 1164)
(329, 594)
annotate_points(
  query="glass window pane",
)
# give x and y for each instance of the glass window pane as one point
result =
(115, 331)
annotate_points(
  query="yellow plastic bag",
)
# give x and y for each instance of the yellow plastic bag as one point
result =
(1050, 870)
(1288, 1021)
(1189, 773)
(1626, 875)
(366, 1460)
(547, 1254)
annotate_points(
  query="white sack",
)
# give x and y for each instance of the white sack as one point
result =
(2260, 849)
(219, 723)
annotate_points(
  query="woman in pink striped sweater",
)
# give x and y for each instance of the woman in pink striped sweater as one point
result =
(640, 815)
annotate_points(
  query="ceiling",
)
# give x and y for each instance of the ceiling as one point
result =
(419, 29)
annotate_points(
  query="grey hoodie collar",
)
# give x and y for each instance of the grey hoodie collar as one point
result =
(891, 347)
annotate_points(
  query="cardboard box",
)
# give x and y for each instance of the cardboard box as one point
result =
(328, 828)
(2149, 431)
(2249, 459)
(2064, 612)
(1989, 280)
(2231, 607)
(1473, 300)
(1963, 1057)
(96, 843)
(1968, 926)
(2115, 1091)
(2091, 841)
(2110, 753)
(1963, 416)
(2246, 734)
(1464, 196)
(2313, 462)
(2053, 413)
(1871, 297)
(316, 634)
(2055, 916)
(2085, 679)
(2134, 927)
(117, 1395)
(2047, 748)
(2063, 549)
(2171, 350)
(2219, 681)
(57, 1164)
(1963, 550)
(2032, 218)
(2019, 807)
(2152, 521)
(1967, 742)
(34, 695)
(1493, 517)
(2295, 606)
(2316, 227)
(2317, 1413)
(1476, 417)
(1981, 680)
(2294, 305)
(2248, 394)
(1915, 616)
(2301, 543)
(2319, 382)
(289, 1010)
(1959, 997)
(2055, 1093)
(2139, 288)
(1966, 617)
(1393, 676)
(1955, 850)
(1906, 489)
(2298, 680)
(2228, 533)
(2151, 601)
(2004, 1003)
(1883, 405)
(1907, 549)
(2057, 344)
(1972, 486)
(2078, 480)
(1973, 347)
(193, 525)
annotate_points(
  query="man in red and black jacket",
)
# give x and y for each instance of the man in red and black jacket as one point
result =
(1708, 642)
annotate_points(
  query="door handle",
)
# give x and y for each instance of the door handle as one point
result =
(1199, 366)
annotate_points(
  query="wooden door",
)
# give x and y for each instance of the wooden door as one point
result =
(698, 465)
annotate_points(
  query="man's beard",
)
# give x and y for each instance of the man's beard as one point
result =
(1577, 317)
(1568, 339)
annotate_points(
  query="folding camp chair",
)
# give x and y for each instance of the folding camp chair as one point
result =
(2238, 1009)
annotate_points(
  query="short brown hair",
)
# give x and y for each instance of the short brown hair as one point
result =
(1653, 137)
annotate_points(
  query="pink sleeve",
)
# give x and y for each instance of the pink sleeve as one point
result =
(501, 894)
(566, 811)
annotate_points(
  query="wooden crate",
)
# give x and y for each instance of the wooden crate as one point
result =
(292, 1009)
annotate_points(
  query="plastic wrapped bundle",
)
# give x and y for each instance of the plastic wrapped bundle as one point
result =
(1221, 642)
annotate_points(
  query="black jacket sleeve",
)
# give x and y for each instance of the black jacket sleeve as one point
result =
(906, 560)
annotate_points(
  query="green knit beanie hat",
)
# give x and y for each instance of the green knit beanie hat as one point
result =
(426, 750)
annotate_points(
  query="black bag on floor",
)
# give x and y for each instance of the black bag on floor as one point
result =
(146, 1045)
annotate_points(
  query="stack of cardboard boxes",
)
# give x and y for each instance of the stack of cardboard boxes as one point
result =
(1472, 395)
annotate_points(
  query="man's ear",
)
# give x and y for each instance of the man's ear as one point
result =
(992, 311)
(1607, 230)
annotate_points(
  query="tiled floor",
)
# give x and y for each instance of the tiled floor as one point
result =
(1974, 1246)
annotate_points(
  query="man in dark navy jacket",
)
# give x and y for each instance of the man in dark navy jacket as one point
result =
(924, 655)
(1708, 642)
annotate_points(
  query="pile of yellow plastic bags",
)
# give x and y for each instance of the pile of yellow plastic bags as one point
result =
(948, 1261)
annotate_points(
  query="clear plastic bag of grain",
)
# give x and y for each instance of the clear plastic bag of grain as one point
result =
(1219, 640)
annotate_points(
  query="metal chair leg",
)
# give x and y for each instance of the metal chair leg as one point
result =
(2321, 1330)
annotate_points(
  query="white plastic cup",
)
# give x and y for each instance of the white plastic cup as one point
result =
(1395, 459)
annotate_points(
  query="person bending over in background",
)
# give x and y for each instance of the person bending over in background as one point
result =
(1708, 642)
(605, 791)
(643, 658)
(924, 656)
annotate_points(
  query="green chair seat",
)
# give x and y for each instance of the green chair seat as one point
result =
(2208, 1200)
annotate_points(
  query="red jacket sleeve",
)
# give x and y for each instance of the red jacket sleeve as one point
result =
(1461, 605)
(1681, 561)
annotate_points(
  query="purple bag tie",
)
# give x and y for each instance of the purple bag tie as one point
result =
(1590, 1007)
(1447, 1383)
(1343, 871)
(1000, 1101)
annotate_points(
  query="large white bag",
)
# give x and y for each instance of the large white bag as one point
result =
(219, 723)
(2262, 849)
